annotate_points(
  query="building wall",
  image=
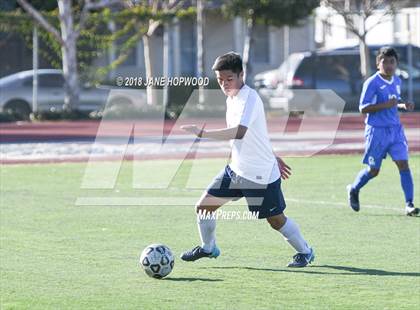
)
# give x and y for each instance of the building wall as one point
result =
(219, 39)
(407, 26)
(16, 55)
(136, 68)
(404, 28)
(221, 35)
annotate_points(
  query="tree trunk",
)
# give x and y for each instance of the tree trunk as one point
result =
(166, 62)
(364, 58)
(200, 49)
(71, 83)
(151, 96)
(247, 47)
(363, 49)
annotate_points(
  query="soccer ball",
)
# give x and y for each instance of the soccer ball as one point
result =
(157, 260)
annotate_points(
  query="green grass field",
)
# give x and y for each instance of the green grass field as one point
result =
(57, 255)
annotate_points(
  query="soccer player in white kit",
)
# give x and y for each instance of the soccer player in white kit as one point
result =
(254, 171)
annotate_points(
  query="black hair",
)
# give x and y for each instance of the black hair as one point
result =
(229, 61)
(386, 51)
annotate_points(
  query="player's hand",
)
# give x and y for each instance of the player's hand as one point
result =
(285, 170)
(192, 129)
(409, 106)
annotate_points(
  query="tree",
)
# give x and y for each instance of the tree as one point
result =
(66, 36)
(162, 11)
(356, 14)
(270, 12)
(200, 47)
(90, 29)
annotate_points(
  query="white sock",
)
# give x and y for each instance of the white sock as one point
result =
(207, 228)
(291, 234)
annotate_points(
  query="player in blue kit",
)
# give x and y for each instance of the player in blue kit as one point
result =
(384, 133)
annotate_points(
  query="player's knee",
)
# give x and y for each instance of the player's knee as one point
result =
(204, 209)
(402, 165)
(275, 225)
(373, 172)
(201, 205)
(199, 208)
(276, 222)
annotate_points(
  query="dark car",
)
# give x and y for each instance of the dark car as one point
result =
(338, 70)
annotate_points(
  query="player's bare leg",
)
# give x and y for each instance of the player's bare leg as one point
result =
(276, 222)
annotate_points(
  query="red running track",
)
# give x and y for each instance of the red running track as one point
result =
(86, 130)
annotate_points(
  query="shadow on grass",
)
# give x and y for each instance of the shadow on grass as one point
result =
(371, 272)
(192, 279)
(398, 215)
(313, 270)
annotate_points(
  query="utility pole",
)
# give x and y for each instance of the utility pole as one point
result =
(35, 70)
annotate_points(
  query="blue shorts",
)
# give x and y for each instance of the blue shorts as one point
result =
(266, 199)
(381, 141)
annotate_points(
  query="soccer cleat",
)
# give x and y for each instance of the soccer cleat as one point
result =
(198, 252)
(302, 260)
(410, 210)
(353, 196)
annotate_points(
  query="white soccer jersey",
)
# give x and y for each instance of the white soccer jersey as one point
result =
(252, 157)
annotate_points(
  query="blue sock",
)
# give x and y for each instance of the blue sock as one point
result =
(362, 178)
(407, 184)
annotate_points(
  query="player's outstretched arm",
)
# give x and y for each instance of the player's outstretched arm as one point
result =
(237, 132)
(380, 106)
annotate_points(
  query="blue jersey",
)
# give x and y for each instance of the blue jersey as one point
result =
(376, 90)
